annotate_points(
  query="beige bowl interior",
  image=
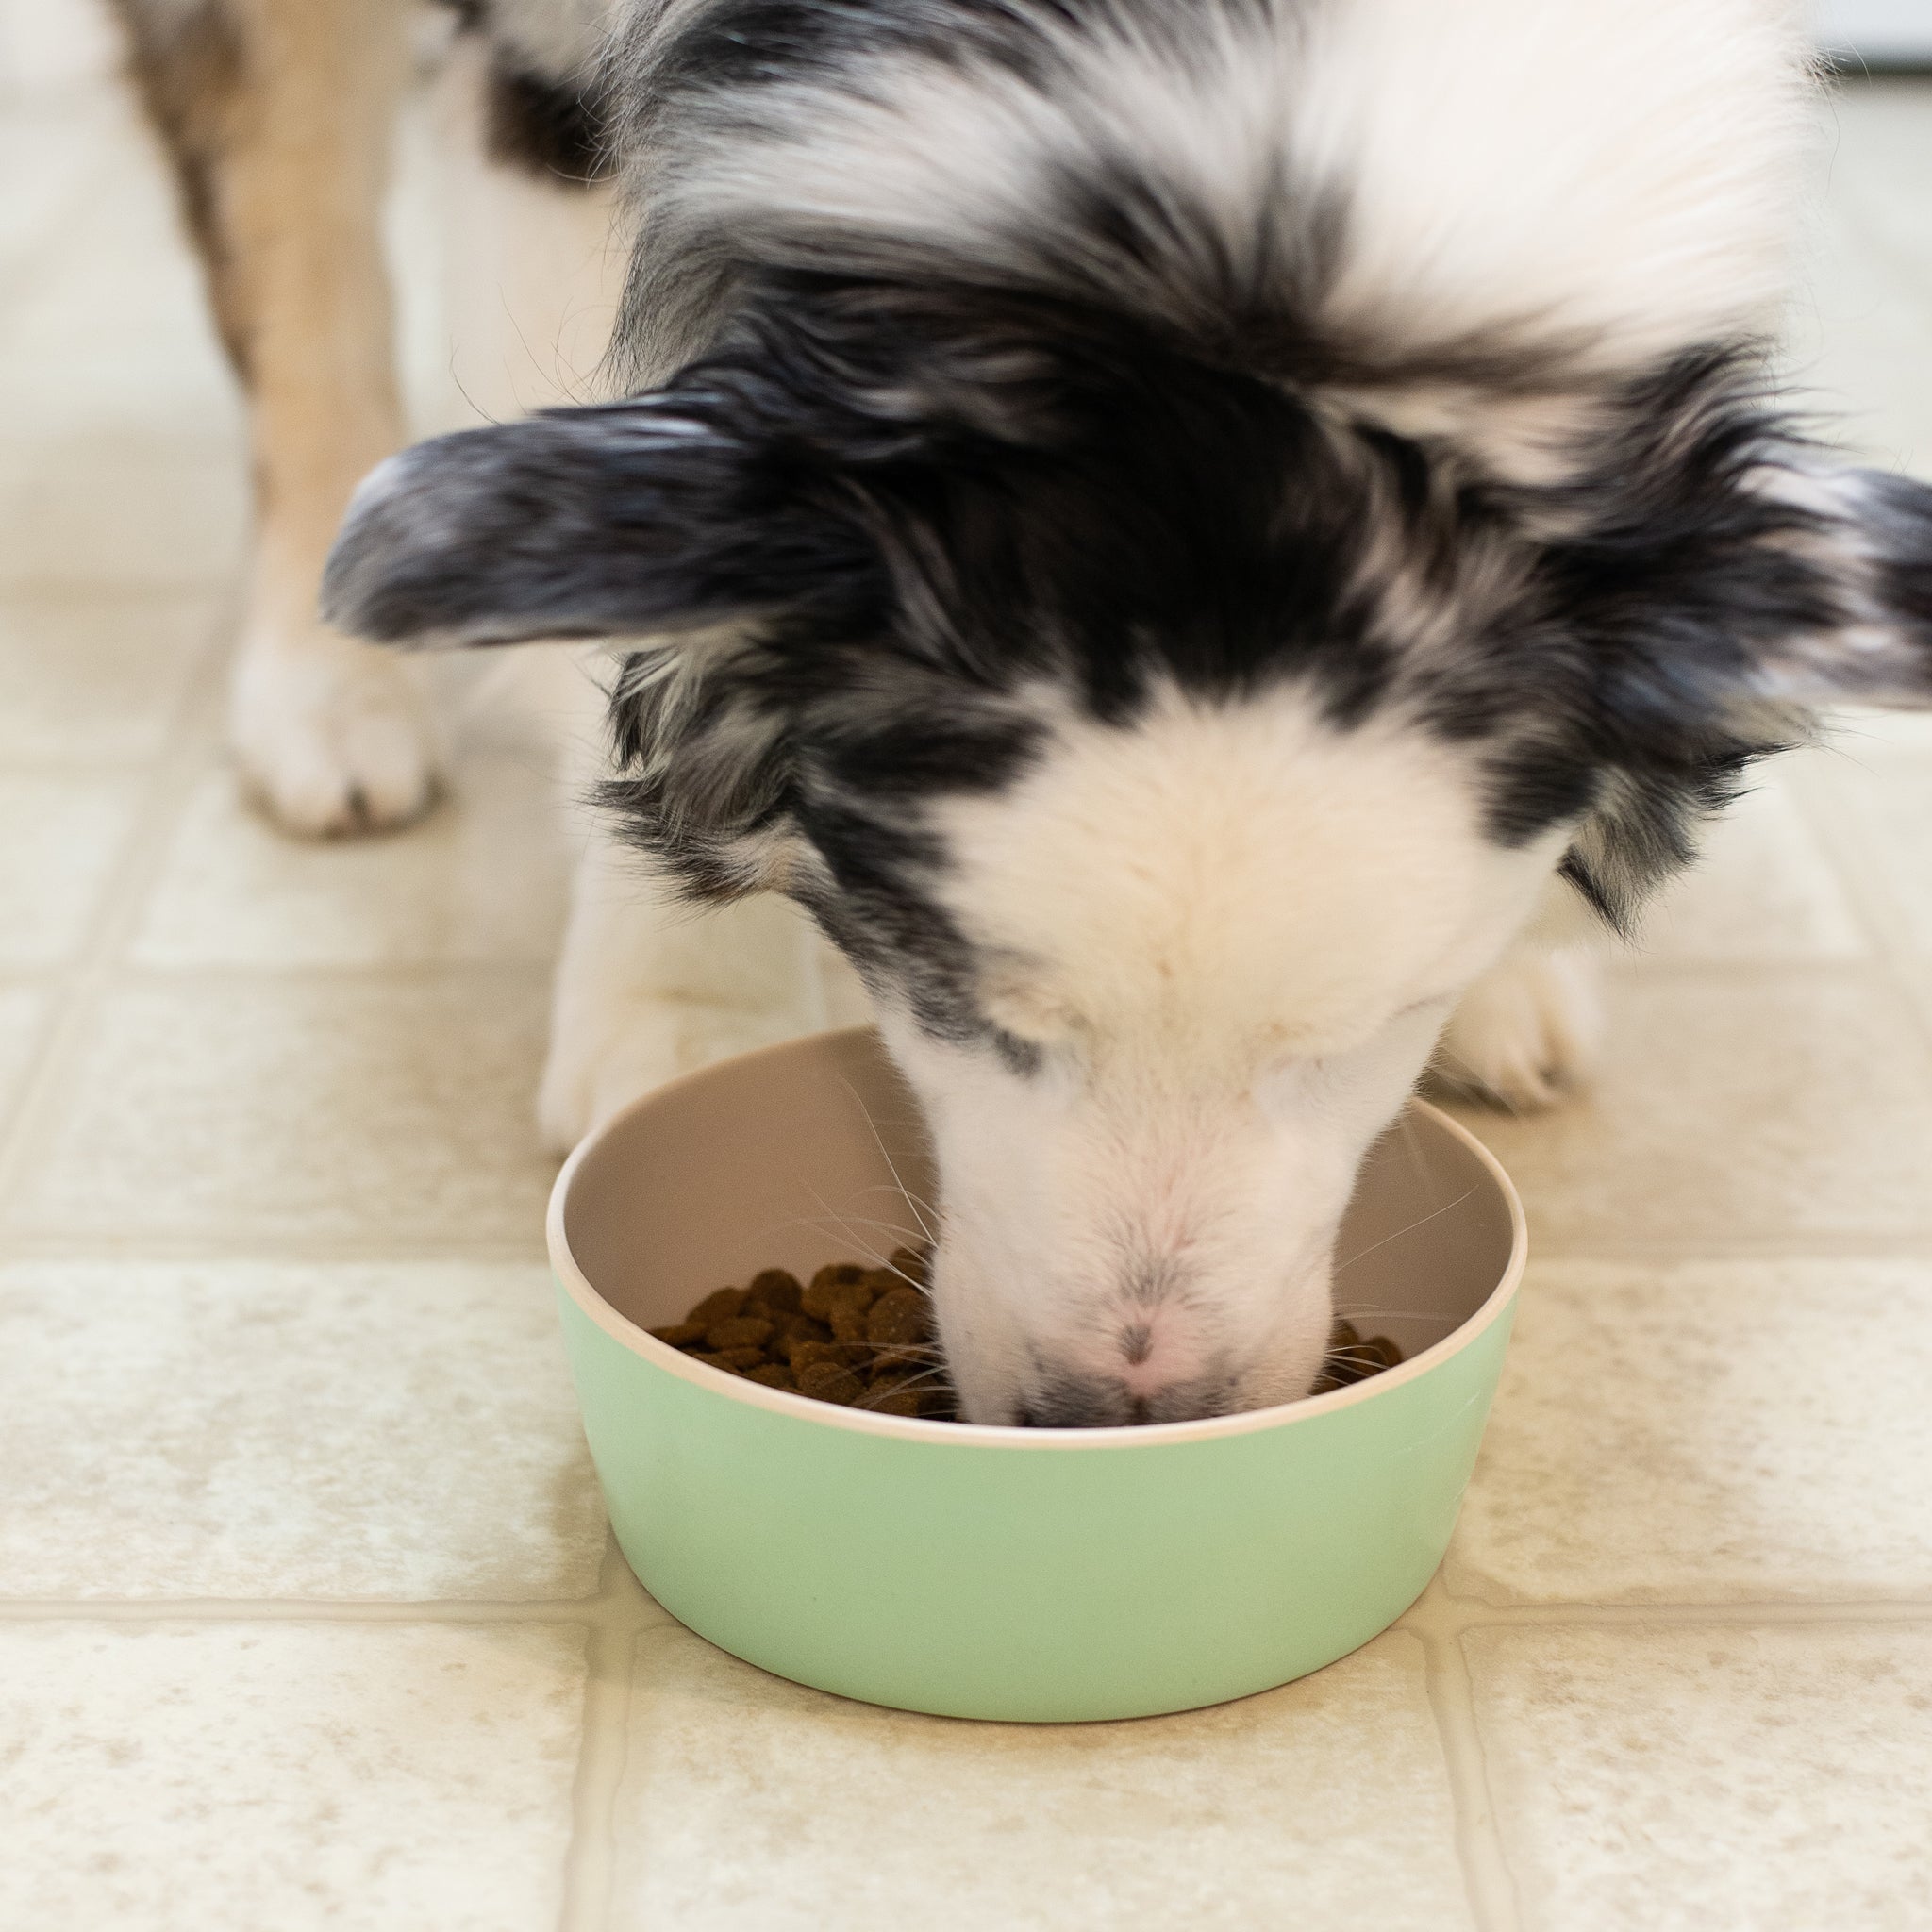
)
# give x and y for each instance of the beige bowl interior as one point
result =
(798, 1156)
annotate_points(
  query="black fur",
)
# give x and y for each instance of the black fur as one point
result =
(548, 126)
(554, 123)
(917, 496)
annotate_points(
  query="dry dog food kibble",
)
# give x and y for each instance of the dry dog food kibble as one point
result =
(1353, 1359)
(859, 1335)
(863, 1338)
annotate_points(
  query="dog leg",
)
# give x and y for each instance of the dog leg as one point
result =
(1528, 1030)
(648, 987)
(278, 117)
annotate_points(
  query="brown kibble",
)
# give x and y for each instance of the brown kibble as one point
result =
(829, 1382)
(741, 1331)
(721, 1304)
(818, 1298)
(1352, 1359)
(777, 1289)
(848, 1322)
(809, 1333)
(844, 1355)
(863, 1337)
(899, 1316)
(680, 1334)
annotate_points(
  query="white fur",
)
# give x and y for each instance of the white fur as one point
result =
(1232, 933)
(1598, 184)
(646, 988)
(1529, 1030)
(332, 736)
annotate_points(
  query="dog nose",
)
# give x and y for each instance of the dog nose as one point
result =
(1105, 1401)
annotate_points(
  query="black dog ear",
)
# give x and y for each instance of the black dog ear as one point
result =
(1868, 534)
(676, 509)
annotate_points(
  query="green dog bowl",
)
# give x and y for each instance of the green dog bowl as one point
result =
(1003, 1573)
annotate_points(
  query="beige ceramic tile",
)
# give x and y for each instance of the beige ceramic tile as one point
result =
(1874, 795)
(22, 1010)
(1713, 1780)
(59, 837)
(1880, 171)
(249, 1109)
(96, 680)
(50, 50)
(1708, 1430)
(47, 153)
(482, 879)
(749, 1802)
(1763, 889)
(1778, 1106)
(1858, 345)
(110, 332)
(240, 1777)
(255, 1429)
(119, 509)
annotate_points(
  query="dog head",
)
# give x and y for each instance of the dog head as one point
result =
(1166, 751)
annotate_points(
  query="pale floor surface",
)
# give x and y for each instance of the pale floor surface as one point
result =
(308, 1618)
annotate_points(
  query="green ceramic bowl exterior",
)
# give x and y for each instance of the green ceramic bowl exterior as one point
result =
(997, 1582)
(1031, 1574)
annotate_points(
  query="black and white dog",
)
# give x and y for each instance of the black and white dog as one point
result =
(1203, 541)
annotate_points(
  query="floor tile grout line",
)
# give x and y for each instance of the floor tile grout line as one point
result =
(1645, 969)
(268, 1248)
(1470, 1613)
(606, 1610)
(25, 1243)
(590, 1862)
(123, 895)
(1487, 1879)
(131, 973)
(620, 1606)
(1822, 1247)
(215, 588)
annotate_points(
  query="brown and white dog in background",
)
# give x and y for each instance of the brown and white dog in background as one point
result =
(279, 118)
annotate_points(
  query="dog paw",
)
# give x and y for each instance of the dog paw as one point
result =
(333, 737)
(1527, 1032)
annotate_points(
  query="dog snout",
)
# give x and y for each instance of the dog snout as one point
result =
(1086, 1401)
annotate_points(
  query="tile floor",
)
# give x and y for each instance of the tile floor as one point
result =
(306, 1622)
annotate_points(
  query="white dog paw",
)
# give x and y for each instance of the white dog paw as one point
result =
(1527, 1032)
(333, 736)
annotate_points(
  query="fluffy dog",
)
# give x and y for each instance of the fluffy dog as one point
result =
(1199, 541)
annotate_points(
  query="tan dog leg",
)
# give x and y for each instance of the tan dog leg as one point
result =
(277, 116)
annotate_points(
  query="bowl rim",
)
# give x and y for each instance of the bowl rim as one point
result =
(1001, 1435)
